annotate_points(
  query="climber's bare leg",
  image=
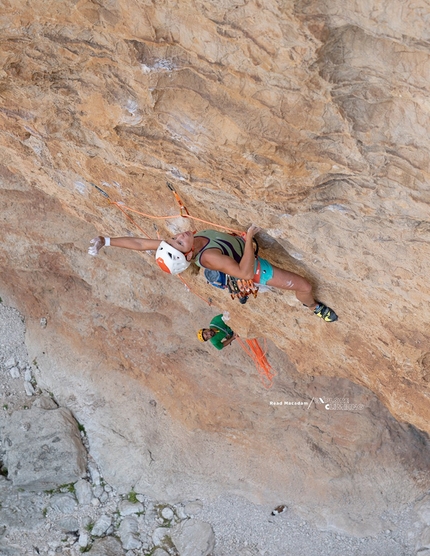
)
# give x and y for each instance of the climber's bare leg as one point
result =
(286, 280)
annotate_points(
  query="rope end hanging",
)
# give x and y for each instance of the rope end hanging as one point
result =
(252, 348)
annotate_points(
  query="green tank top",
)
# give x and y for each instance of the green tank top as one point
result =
(232, 246)
(223, 331)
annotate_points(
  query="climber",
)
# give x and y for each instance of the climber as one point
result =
(219, 334)
(224, 252)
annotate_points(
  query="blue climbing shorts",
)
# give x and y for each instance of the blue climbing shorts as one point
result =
(263, 271)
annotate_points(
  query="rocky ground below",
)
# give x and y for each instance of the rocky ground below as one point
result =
(88, 515)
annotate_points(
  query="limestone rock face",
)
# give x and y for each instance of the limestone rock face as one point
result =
(308, 118)
(43, 449)
(194, 538)
(30, 514)
(106, 547)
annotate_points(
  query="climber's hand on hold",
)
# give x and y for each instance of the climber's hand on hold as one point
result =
(96, 244)
(252, 230)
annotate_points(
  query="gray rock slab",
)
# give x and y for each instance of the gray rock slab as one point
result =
(104, 498)
(423, 510)
(167, 513)
(193, 508)
(14, 372)
(424, 541)
(131, 542)
(109, 546)
(128, 533)
(180, 512)
(159, 533)
(63, 503)
(45, 402)
(94, 473)
(6, 550)
(151, 512)
(84, 539)
(193, 538)
(129, 524)
(43, 449)
(19, 510)
(98, 491)
(11, 362)
(68, 524)
(29, 390)
(101, 526)
(125, 507)
(83, 492)
(160, 552)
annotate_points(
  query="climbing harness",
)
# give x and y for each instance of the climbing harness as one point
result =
(241, 289)
(237, 288)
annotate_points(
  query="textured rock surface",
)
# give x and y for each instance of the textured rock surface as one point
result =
(106, 547)
(19, 510)
(193, 538)
(240, 526)
(309, 118)
(43, 449)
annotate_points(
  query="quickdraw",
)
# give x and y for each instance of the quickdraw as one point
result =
(182, 208)
(241, 289)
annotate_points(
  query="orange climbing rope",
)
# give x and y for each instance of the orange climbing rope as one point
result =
(123, 208)
(183, 212)
(253, 349)
(129, 217)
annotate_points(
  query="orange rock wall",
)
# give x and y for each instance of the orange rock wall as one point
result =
(309, 119)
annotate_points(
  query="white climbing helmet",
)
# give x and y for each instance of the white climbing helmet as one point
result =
(170, 260)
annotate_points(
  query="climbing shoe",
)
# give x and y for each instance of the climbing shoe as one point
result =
(325, 312)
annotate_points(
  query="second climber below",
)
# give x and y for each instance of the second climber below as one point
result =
(219, 334)
(215, 250)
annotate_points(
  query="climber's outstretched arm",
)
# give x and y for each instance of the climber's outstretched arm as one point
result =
(135, 243)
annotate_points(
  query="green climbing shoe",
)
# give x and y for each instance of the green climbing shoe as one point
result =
(325, 312)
